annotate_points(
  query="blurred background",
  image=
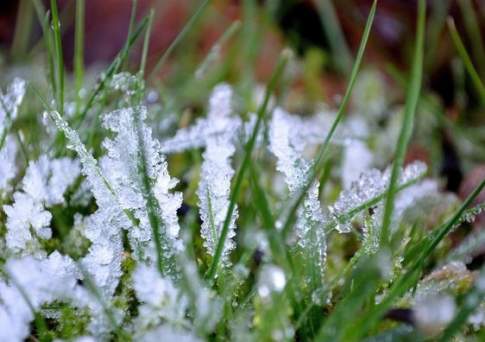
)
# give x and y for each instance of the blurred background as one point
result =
(324, 34)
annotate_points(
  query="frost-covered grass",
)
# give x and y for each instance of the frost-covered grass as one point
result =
(127, 217)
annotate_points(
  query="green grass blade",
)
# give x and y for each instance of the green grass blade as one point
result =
(59, 58)
(460, 48)
(193, 19)
(408, 123)
(146, 44)
(277, 73)
(322, 154)
(23, 28)
(472, 27)
(340, 49)
(79, 52)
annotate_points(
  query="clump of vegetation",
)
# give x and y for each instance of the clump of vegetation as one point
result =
(127, 217)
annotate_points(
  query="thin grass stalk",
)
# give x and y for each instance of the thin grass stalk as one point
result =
(146, 44)
(460, 48)
(407, 125)
(59, 58)
(180, 36)
(79, 52)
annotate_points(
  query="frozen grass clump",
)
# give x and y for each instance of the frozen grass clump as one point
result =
(143, 210)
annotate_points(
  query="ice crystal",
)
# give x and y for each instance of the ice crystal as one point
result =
(46, 180)
(160, 299)
(216, 175)
(10, 102)
(356, 160)
(370, 185)
(43, 186)
(288, 150)
(125, 83)
(23, 215)
(219, 121)
(31, 284)
(167, 333)
(8, 169)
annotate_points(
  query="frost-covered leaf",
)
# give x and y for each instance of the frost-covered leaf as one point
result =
(124, 172)
(43, 185)
(161, 301)
(46, 180)
(371, 185)
(290, 161)
(39, 282)
(215, 179)
(8, 169)
(219, 121)
(10, 102)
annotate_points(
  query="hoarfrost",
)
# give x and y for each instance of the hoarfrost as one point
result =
(288, 151)
(10, 102)
(216, 174)
(8, 169)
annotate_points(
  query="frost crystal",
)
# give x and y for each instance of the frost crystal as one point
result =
(370, 185)
(161, 300)
(288, 150)
(356, 160)
(46, 180)
(10, 102)
(35, 281)
(44, 185)
(219, 121)
(216, 174)
(8, 169)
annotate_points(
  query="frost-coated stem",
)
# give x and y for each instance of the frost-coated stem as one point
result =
(246, 161)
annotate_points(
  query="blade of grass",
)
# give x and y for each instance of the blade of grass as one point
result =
(134, 6)
(413, 93)
(58, 57)
(277, 73)
(460, 48)
(214, 52)
(436, 22)
(193, 19)
(146, 44)
(79, 52)
(472, 27)
(315, 172)
(23, 27)
(340, 49)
